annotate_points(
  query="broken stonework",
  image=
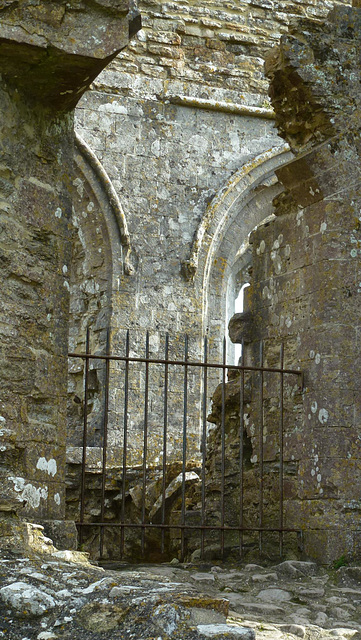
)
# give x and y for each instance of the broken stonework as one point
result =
(182, 124)
(305, 281)
(181, 127)
(49, 595)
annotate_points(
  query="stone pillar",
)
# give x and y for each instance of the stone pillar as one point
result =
(49, 54)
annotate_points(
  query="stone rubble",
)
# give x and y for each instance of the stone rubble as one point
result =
(50, 595)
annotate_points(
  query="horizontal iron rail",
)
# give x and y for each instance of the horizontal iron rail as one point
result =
(191, 363)
(193, 527)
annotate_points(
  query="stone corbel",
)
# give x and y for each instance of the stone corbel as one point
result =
(52, 51)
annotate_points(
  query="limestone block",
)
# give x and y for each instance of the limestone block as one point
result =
(26, 599)
(221, 630)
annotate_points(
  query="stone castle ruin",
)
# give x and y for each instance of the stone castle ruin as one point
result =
(156, 161)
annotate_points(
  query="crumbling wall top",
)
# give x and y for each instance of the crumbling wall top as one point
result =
(314, 76)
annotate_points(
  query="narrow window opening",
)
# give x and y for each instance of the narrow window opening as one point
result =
(239, 308)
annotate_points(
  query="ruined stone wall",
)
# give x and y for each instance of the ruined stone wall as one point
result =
(172, 120)
(305, 287)
(48, 60)
(167, 156)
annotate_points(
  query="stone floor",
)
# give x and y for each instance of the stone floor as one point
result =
(47, 594)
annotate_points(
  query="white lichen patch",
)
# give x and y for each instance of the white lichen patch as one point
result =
(113, 107)
(323, 416)
(58, 212)
(47, 465)
(28, 493)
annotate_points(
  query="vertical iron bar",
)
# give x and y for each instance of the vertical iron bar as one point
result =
(204, 441)
(261, 430)
(281, 437)
(165, 428)
(105, 442)
(223, 445)
(184, 456)
(241, 453)
(125, 439)
(145, 442)
(85, 435)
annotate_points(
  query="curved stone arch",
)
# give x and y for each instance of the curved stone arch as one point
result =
(108, 199)
(101, 259)
(242, 204)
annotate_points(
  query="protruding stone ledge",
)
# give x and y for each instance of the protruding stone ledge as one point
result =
(53, 51)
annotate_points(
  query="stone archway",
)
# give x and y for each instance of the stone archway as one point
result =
(241, 205)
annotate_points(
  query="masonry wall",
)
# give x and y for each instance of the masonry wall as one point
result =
(172, 120)
(305, 288)
(44, 72)
(35, 254)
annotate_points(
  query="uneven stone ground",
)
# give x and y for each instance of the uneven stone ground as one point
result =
(47, 594)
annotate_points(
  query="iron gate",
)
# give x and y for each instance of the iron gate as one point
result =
(200, 522)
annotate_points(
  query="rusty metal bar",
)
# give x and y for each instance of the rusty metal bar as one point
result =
(165, 428)
(145, 440)
(223, 446)
(261, 430)
(241, 452)
(150, 525)
(184, 452)
(209, 365)
(281, 439)
(125, 442)
(105, 441)
(204, 443)
(85, 433)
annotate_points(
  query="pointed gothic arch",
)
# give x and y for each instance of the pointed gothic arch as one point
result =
(220, 243)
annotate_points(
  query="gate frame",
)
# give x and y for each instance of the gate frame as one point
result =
(186, 364)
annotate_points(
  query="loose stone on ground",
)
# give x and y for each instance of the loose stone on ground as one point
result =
(52, 596)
